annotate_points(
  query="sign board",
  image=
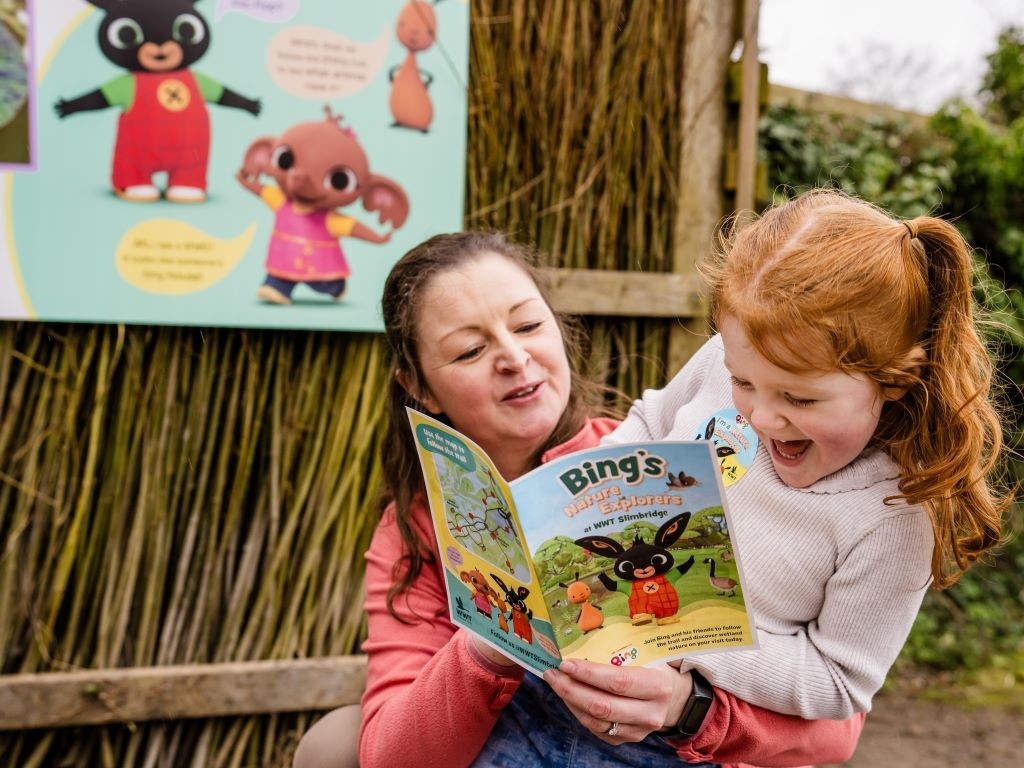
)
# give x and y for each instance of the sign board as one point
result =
(244, 163)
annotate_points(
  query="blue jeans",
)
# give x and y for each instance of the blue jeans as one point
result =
(536, 730)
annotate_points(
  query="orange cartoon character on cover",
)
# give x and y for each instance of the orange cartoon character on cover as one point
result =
(646, 571)
(164, 126)
(578, 593)
(318, 167)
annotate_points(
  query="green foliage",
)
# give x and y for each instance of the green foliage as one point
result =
(1002, 89)
(966, 166)
(890, 163)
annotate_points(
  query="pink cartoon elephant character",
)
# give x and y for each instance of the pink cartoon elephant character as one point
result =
(319, 167)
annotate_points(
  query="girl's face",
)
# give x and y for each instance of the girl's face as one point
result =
(493, 359)
(813, 424)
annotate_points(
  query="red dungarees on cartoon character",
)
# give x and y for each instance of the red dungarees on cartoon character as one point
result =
(655, 596)
(167, 128)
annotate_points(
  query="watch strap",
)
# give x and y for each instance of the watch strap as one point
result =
(695, 710)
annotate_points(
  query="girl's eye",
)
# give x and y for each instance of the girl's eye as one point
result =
(798, 402)
(739, 383)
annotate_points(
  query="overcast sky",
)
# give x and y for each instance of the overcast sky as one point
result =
(810, 44)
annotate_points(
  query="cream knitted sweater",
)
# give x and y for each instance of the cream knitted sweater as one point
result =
(833, 575)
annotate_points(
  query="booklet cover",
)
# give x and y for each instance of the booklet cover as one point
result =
(620, 554)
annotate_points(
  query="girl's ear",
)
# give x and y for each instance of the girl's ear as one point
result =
(916, 358)
(423, 397)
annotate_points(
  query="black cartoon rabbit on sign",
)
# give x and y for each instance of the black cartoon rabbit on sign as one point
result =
(164, 125)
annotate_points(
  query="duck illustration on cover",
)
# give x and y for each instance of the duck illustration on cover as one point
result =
(164, 125)
(319, 166)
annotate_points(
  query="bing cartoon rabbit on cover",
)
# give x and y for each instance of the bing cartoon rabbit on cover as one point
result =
(646, 571)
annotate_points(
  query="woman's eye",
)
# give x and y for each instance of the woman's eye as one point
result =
(529, 327)
(469, 354)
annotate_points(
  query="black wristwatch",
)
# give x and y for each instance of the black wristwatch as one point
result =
(694, 711)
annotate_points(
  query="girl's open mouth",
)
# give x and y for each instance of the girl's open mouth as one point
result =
(790, 450)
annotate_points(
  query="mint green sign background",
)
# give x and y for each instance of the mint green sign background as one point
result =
(75, 251)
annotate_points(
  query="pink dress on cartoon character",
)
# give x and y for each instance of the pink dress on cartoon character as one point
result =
(304, 245)
(483, 604)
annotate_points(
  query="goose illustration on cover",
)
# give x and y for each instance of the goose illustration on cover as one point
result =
(601, 554)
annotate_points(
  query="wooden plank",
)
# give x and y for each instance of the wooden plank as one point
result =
(632, 294)
(94, 697)
(750, 103)
(709, 39)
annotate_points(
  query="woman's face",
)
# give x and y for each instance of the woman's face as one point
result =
(493, 359)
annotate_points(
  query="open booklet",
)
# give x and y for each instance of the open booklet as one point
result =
(619, 554)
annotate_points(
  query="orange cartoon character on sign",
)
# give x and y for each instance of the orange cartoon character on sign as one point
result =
(578, 593)
(409, 100)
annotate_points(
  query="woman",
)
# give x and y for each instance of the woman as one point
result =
(476, 343)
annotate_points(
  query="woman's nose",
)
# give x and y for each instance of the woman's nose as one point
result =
(513, 356)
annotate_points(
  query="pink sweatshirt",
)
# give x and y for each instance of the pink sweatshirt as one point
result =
(432, 699)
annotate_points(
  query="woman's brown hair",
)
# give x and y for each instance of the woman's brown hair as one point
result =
(403, 292)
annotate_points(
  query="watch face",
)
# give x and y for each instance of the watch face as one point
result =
(693, 716)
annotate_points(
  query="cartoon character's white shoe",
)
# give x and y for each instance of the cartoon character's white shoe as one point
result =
(272, 296)
(139, 193)
(179, 194)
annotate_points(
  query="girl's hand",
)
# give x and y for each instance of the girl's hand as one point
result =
(637, 701)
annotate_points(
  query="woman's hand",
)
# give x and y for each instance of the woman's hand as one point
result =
(620, 704)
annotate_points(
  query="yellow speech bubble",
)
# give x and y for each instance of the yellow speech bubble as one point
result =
(172, 257)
